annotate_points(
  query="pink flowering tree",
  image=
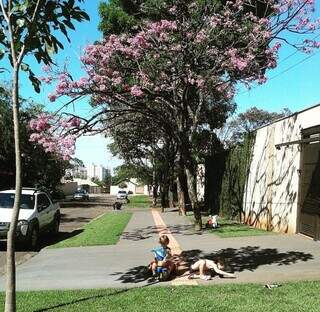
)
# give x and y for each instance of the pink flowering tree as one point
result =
(181, 72)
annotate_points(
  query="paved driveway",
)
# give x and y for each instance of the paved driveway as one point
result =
(73, 216)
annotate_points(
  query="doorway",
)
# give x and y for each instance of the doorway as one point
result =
(310, 183)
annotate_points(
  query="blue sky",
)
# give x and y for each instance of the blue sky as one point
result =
(295, 88)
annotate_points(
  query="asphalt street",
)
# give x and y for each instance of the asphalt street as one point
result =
(74, 214)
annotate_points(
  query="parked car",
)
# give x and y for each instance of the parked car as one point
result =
(122, 195)
(38, 214)
(81, 195)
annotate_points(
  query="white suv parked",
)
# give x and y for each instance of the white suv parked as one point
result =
(38, 213)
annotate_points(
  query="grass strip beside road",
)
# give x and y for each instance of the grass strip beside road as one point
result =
(105, 230)
(300, 296)
(139, 201)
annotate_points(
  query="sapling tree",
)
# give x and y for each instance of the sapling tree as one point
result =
(29, 28)
(182, 70)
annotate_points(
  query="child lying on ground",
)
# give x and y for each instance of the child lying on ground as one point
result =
(206, 267)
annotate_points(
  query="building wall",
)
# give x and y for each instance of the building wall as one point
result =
(271, 193)
(97, 171)
(68, 188)
(131, 187)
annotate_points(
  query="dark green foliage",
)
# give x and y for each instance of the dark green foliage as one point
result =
(215, 167)
(40, 168)
(127, 171)
(116, 18)
(251, 120)
(237, 162)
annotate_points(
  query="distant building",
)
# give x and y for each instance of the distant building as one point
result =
(98, 172)
(77, 172)
(131, 186)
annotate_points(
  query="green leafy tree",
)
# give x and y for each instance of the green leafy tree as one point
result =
(117, 16)
(236, 129)
(29, 28)
(40, 168)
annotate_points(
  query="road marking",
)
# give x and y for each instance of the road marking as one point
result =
(174, 245)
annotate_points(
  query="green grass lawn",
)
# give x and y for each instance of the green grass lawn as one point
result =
(229, 228)
(139, 201)
(300, 297)
(105, 230)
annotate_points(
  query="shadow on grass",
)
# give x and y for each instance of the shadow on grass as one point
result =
(65, 304)
(49, 240)
(85, 299)
(46, 240)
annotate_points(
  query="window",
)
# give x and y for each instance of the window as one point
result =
(7, 200)
(43, 202)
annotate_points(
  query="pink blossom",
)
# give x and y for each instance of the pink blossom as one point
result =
(46, 68)
(201, 36)
(52, 97)
(136, 91)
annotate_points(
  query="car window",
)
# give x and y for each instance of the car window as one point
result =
(43, 202)
(80, 192)
(7, 200)
(122, 192)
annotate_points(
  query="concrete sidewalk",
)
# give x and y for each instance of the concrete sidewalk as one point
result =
(262, 259)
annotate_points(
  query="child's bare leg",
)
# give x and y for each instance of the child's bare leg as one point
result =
(203, 271)
(202, 267)
(196, 265)
(154, 267)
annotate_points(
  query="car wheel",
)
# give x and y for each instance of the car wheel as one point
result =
(34, 238)
(55, 225)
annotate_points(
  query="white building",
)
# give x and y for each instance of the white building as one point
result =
(77, 172)
(131, 187)
(97, 171)
(282, 191)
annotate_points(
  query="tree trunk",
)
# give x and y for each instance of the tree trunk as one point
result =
(191, 174)
(183, 194)
(181, 200)
(154, 195)
(10, 303)
(172, 192)
(154, 187)
(164, 195)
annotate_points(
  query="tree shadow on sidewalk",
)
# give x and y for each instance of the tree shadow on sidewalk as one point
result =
(136, 274)
(249, 257)
(149, 231)
(237, 260)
